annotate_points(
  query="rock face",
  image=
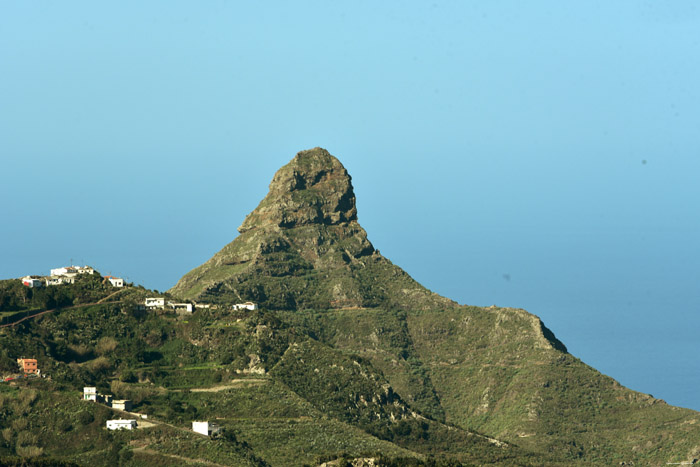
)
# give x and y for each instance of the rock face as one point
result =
(314, 188)
(302, 247)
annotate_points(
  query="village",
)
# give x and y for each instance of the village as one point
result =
(126, 406)
(28, 367)
(68, 275)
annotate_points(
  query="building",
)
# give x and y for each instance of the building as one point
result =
(181, 307)
(121, 424)
(206, 428)
(62, 279)
(245, 306)
(122, 404)
(54, 280)
(28, 366)
(72, 270)
(155, 303)
(90, 393)
(202, 306)
(30, 281)
(84, 269)
(68, 279)
(64, 271)
(115, 281)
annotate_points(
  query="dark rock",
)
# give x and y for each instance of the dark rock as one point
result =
(314, 188)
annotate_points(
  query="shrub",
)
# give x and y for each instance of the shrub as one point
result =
(26, 438)
(29, 451)
(85, 417)
(8, 434)
(128, 376)
(99, 364)
(106, 345)
(19, 424)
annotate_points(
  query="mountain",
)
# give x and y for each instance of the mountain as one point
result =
(302, 248)
(303, 253)
(347, 361)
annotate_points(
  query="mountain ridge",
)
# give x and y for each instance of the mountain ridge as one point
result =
(303, 252)
(311, 199)
(347, 357)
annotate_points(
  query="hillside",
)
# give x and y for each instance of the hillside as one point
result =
(500, 371)
(241, 369)
(347, 357)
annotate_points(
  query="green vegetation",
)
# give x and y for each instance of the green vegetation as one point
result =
(347, 358)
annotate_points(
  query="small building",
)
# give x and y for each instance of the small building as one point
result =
(115, 281)
(90, 393)
(62, 279)
(64, 271)
(84, 269)
(206, 428)
(28, 366)
(155, 303)
(121, 424)
(122, 404)
(245, 306)
(202, 306)
(68, 279)
(30, 281)
(54, 280)
(181, 307)
(68, 270)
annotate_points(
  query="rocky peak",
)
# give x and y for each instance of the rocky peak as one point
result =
(314, 188)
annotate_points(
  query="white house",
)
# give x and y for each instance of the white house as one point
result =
(30, 281)
(64, 271)
(54, 280)
(72, 270)
(84, 269)
(115, 281)
(122, 404)
(155, 303)
(121, 424)
(245, 306)
(181, 307)
(90, 393)
(206, 428)
(68, 278)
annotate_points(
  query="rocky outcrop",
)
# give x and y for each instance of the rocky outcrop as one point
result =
(302, 247)
(314, 188)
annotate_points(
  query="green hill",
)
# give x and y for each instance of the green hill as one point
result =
(347, 358)
(500, 371)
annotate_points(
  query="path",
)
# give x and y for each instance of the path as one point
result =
(175, 456)
(55, 309)
(102, 300)
(234, 383)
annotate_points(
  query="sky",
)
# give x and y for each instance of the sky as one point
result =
(540, 155)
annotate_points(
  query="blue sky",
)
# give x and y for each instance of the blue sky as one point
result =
(541, 155)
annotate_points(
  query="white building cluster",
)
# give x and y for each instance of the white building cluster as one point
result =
(66, 275)
(159, 303)
(90, 394)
